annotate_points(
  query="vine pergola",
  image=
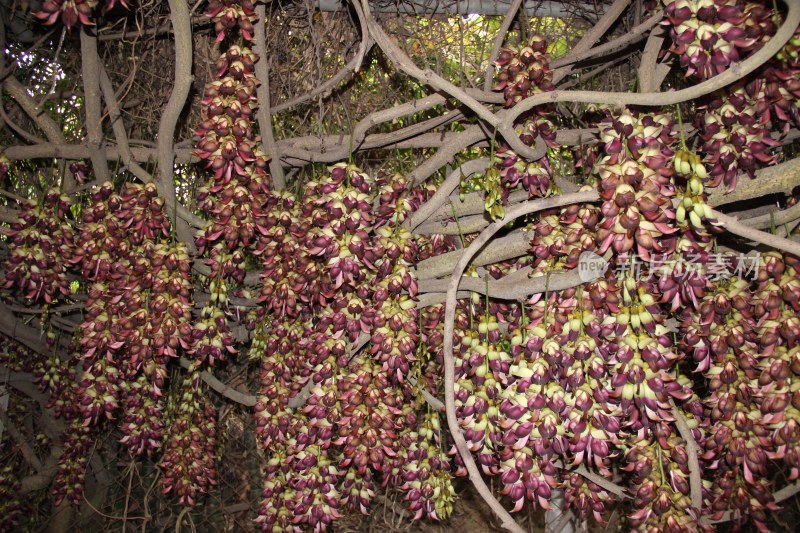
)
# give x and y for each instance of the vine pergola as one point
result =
(350, 242)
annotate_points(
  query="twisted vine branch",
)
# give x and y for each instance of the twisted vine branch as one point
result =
(449, 359)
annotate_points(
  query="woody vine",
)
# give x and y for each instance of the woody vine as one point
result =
(399, 330)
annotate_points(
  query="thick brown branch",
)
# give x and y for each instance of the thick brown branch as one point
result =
(471, 211)
(515, 286)
(42, 479)
(634, 35)
(25, 448)
(743, 230)
(602, 482)
(513, 245)
(652, 73)
(330, 148)
(212, 381)
(90, 71)
(53, 428)
(128, 158)
(264, 112)
(782, 178)
(590, 37)
(776, 218)
(347, 145)
(443, 192)
(22, 333)
(182, 29)
(428, 77)
(297, 151)
(445, 154)
(692, 450)
(51, 130)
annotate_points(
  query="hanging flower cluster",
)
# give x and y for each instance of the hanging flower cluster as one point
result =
(660, 474)
(709, 35)
(138, 314)
(235, 198)
(635, 184)
(561, 237)
(73, 11)
(395, 336)
(735, 125)
(71, 474)
(426, 474)
(743, 336)
(337, 269)
(735, 130)
(41, 245)
(524, 71)
(229, 14)
(594, 374)
(11, 508)
(137, 318)
(188, 461)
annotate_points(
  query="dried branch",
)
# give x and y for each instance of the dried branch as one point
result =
(464, 225)
(24, 334)
(786, 492)
(514, 286)
(692, 450)
(224, 390)
(741, 229)
(782, 178)
(51, 130)
(652, 73)
(445, 154)
(25, 448)
(734, 73)
(590, 37)
(198, 22)
(43, 477)
(449, 359)
(443, 191)
(91, 89)
(7, 120)
(354, 65)
(635, 35)
(776, 218)
(602, 482)
(471, 212)
(332, 148)
(299, 151)
(264, 112)
(428, 77)
(357, 137)
(513, 245)
(127, 156)
(182, 30)
(53, 428)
